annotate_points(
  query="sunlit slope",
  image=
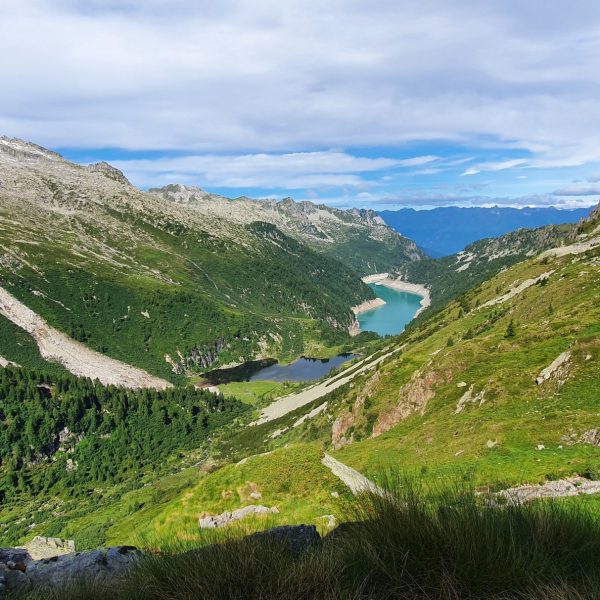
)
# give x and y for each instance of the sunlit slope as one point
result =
(503, 384)
(155, 283)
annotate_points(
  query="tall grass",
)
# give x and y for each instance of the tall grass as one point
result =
(407, 544)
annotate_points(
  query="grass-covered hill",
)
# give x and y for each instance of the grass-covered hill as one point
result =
(496, 390)
(168, 286)
(450, 276)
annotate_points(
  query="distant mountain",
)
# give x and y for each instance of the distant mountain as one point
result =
(357, 237)
(447, 230)
(176, 280)
(449, 276)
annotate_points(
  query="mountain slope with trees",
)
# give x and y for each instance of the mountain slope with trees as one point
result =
(165, 286)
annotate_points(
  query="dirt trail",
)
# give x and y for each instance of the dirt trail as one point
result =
(286, 404)
(75, 357)
(356, 482)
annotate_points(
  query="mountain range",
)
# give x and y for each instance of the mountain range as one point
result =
(177, 280)
(494, 386)
(447, 230)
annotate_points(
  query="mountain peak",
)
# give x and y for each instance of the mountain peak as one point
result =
(110, 171)
(182, 194)
(20, 149)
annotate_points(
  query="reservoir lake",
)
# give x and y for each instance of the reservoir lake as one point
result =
(391, 318)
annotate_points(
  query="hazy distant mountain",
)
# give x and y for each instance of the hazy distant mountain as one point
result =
(447, 230)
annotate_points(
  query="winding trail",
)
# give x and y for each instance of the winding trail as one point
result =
(286, 404)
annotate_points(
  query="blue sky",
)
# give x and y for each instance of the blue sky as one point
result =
(383, 105)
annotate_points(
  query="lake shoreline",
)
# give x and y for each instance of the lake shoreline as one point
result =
(418, 289)
(398, 285)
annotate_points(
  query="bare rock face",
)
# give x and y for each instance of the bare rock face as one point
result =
(591, 437)
(48, 547)
(213, 521)
(19, 571)
(110, 171)
(413, 398)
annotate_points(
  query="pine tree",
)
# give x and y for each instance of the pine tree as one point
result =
(510, 330)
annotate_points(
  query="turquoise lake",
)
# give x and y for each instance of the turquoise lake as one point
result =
(391, 318)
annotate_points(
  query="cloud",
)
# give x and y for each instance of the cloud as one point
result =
(246, 76)
(425, 200)
(296, 170)
(579, 190)
(496, 166)
(254, 94)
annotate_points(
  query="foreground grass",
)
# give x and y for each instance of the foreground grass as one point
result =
(408, 545)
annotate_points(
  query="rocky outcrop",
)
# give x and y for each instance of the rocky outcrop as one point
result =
(357, 483)
(47, 547)
(110, 172)
(19, 571)
(591, 437)
(557, 369)
(340, 430)
(228, 517)
(469, 398)
(573, 486)
(413, 398)
(199, 356)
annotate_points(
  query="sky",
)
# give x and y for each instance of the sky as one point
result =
(381, 104)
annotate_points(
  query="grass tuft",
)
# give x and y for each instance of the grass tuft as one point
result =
(409, 544)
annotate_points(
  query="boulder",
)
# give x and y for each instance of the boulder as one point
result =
(19, 572)
(227, 517)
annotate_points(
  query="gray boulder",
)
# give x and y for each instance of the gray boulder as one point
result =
(59, 570)
(212, 521)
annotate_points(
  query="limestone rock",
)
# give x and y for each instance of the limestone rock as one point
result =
(227, 517)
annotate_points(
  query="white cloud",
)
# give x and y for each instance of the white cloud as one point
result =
(496, 166)
(579, 190)
(249, 75)
(297, 170)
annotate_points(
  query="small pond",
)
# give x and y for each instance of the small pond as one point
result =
(302, 369)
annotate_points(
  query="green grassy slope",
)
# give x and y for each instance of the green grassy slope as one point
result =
(139, 278)
(450, 276)
(408, 414)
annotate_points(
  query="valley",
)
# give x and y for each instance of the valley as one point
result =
(172, 356)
